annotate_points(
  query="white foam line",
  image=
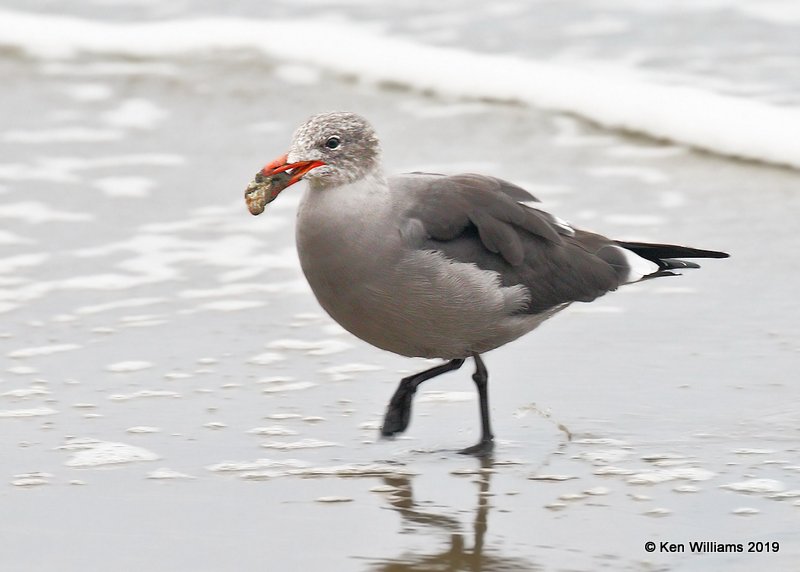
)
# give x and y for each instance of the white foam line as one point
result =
(20, 413)
(614, 98)
(92, 453)
(42, 350)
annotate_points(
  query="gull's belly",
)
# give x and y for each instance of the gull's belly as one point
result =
(415, 303)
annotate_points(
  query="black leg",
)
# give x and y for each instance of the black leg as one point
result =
(398, 414)
(481, 379)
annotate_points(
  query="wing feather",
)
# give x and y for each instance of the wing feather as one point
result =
(481, 220)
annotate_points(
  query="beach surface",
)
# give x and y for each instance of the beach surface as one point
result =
(172, 398)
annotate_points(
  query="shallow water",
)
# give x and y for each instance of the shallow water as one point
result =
(172, 397)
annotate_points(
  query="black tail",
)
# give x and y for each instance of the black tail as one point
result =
(666, 255)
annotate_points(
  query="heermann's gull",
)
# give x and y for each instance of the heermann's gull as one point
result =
(434, 266)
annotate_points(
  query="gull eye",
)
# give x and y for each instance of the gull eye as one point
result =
(332, 142)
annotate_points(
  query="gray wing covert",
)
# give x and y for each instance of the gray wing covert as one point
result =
(480, 220)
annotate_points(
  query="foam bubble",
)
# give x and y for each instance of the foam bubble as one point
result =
(272, 431)
(555, 506)
(22, 370)
(384, 489)
(794, 493)
(751, 451)
(296, 386)
(257, 465)
(355, 470)
(127, 186)
(333, 499)
(686, 489)
(755, 486)
(42, 350)
(341, 471)
(128, 366)
(609, 470)
(282, 416)
(89, 453)
(658, 512)
(103, 330)
(276, 379)
(142, 393)
(267, 358)
(31, 479)
(445, 396)
(167, 474)
(25, 393)
(142, 429)
(177, 375)
(572, 496)
(33, 412)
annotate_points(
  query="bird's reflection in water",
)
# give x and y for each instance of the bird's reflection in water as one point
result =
(456, 555)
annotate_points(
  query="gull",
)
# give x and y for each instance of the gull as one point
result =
(441, 266)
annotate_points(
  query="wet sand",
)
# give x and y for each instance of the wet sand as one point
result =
(172, 397)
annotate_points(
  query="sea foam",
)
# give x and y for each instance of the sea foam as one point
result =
(617, 98)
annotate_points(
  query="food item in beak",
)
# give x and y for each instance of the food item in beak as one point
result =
(263, 189)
